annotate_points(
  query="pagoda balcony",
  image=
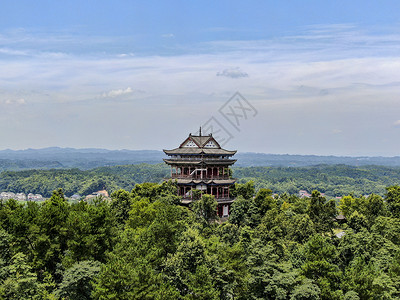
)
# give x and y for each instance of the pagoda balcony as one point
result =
(199, 158)
(219, 200)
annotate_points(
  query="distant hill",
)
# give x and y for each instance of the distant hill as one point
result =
(285, 160)
(66, 158)
(90, 158)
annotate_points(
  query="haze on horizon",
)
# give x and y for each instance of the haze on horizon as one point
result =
(323, 77)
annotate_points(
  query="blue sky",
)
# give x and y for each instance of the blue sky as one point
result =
(323, 76)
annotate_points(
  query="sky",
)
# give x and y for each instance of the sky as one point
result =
(280, 77)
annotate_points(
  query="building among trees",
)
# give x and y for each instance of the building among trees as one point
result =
(200, 166)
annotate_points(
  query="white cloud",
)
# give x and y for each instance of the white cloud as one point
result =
(336, 131)
(396, 123)
(296, 84)
(124, 55)
(10, 102)
(233, 73)
(118, 92)
(168, 35)
(8, 51)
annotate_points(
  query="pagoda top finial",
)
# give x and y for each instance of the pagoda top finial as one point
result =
(200, 131)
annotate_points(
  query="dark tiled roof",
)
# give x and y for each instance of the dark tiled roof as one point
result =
(192, 151)
(182, 162)
(201, 140)
(200, 161)
(206, 181)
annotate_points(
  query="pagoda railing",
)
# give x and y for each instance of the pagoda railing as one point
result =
(181, 176)
(218, 199)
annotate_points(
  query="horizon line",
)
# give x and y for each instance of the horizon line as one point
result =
(239, 152)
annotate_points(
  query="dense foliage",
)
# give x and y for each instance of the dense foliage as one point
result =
(144, 245)
(337, 180)
(75, 181)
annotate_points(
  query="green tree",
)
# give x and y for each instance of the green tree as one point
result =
(357, 221)
(239, 210)
(5, 253)
(306, 291)
(321, 212)
(300, 228)
(367, 281)
(134, 269)
(375, 207)
(264, 201)
(393, 200)
(245, 190)
(77, 280)
(319, 254)
(206, 208)
(92, 232)
(21, 282)
(52, 233)
(388, 228)
(189, 268)
(121, 205)
(347, 206)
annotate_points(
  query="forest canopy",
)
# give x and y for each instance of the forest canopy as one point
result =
(144, 245)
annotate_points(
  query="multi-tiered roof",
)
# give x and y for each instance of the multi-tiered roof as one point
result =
(200, 150)
(201, 163)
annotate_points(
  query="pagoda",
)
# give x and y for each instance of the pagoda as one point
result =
(199, 163)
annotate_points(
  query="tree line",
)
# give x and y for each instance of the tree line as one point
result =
(336, 180)
(144, 245)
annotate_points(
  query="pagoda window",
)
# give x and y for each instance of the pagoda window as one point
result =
(210, 144)
(190, 144)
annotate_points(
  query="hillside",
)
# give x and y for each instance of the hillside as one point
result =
(86, 159)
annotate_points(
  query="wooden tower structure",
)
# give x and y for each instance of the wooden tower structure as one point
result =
(199, 163)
